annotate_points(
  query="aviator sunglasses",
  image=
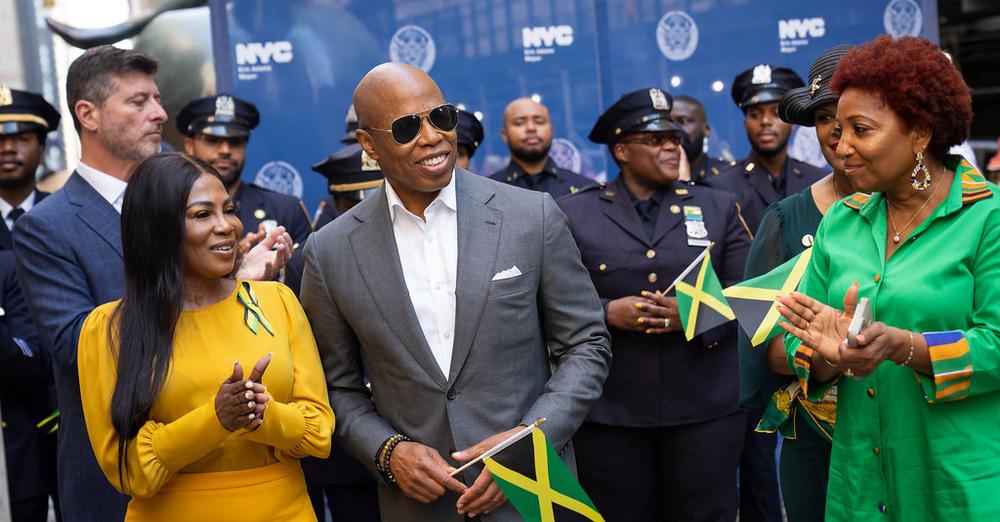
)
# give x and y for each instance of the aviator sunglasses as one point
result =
(405, 128)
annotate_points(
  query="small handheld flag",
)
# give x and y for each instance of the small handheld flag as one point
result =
(538, 484)
(755, 300)
(700, 301)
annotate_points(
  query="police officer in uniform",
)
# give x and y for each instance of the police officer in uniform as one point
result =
(329, 208)
(27, 391)
(351, 176)
(768, 174)
(527, 131)
(689, 114)
(470, 135)
(25, 121)
(664, 440)
(218, 130)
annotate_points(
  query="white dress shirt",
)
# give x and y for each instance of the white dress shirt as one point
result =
(109, 187)
(428, 253)
(5, 208)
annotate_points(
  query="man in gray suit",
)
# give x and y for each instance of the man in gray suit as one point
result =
(465, 300)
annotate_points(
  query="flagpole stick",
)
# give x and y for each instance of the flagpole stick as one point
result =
(689, 268)
(501, 446)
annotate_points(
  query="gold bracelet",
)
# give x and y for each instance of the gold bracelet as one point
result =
(384, 455)
(910, 356)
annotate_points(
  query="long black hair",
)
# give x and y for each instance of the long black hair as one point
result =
(153, 223)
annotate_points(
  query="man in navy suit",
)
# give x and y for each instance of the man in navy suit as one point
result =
(25, 121)
(69, 252)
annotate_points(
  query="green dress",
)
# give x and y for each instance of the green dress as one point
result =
(910, 446)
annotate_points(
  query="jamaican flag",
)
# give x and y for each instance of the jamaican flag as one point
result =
(755, 300)
(538, 483)
(700, 302)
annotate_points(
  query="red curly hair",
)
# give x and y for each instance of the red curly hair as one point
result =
(914, 79)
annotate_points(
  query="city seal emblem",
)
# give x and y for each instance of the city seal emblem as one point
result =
(677, 35)
(903, 18)
(280, 176)
(413, 45)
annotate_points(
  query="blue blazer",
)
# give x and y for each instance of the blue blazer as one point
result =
(69, 261)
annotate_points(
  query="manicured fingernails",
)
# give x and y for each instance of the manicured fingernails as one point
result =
(640, 320)
(249, 385)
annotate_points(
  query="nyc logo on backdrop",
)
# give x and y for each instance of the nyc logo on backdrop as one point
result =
(254, 58)
(542, 41)
(796, 32)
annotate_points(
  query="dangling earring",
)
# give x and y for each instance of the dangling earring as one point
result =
(924, 183)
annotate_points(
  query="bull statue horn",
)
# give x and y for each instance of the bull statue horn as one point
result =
(87, 38)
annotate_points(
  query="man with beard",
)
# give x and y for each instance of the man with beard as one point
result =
(689, 113)
(69, 251)
(764, 177)
(527, 131)
(26, 389)
(218, 130)
(768, 174)
(25, 120)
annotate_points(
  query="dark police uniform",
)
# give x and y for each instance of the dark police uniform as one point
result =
(226, 116)
(27, 391)
(552, 179)
(756, 188)
(707, 166)
(663, 441)
(470, 132)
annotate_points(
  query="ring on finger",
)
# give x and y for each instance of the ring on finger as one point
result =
(666, 322)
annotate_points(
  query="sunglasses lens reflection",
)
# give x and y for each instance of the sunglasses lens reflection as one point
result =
(406, 128)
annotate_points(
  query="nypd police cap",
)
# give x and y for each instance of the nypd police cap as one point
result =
(470, 131)
(22, 111)
(763, 84)
(645, 110)
(222, 115)
(350, 169)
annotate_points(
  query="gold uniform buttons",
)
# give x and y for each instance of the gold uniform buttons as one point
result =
(259, 213)
(651, 278)
(602, 267)
(674, 209)
(650, 254)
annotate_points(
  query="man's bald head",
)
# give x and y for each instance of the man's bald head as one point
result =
(378, 96)
(418, 169)
(527, 130)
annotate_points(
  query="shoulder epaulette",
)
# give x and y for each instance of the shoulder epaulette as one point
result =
(857, 200)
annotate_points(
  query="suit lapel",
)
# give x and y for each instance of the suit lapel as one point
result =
(95, 211)
(618, 208)
(478, 245)
(758, 178)
(374, 246)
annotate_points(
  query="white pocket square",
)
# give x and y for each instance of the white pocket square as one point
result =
(507, 274)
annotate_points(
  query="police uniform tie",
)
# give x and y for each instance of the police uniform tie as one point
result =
(14, 214)
(647, 209)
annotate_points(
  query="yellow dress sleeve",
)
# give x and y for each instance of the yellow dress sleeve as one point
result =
(303, 426)
(159, 450)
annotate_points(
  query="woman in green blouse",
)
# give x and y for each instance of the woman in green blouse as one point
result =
(787, 228)
(917, 425)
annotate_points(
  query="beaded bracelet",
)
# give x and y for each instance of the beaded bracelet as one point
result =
(384, 455)
(910, 356)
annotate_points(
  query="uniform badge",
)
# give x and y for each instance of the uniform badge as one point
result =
(367, 163)
(761, 74)
(6, 97)
(659, 100)
(694, 224)
(225, 107)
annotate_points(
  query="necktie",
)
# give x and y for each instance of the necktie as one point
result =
(14, 214)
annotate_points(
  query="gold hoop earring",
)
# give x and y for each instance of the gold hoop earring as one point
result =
(924, 183)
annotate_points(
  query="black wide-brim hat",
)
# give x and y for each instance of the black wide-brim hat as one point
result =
(799, 105)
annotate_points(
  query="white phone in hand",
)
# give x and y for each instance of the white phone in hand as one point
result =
(862, 318)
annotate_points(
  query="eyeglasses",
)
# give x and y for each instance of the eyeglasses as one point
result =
(405, 129)
(656, 140)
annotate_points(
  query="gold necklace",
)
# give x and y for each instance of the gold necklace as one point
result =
(888, 211)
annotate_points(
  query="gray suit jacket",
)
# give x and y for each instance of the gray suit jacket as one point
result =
(527, 347)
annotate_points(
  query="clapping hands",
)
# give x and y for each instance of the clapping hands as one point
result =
(241, 403)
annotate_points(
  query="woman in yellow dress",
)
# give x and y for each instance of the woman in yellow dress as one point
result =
(182, 432)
